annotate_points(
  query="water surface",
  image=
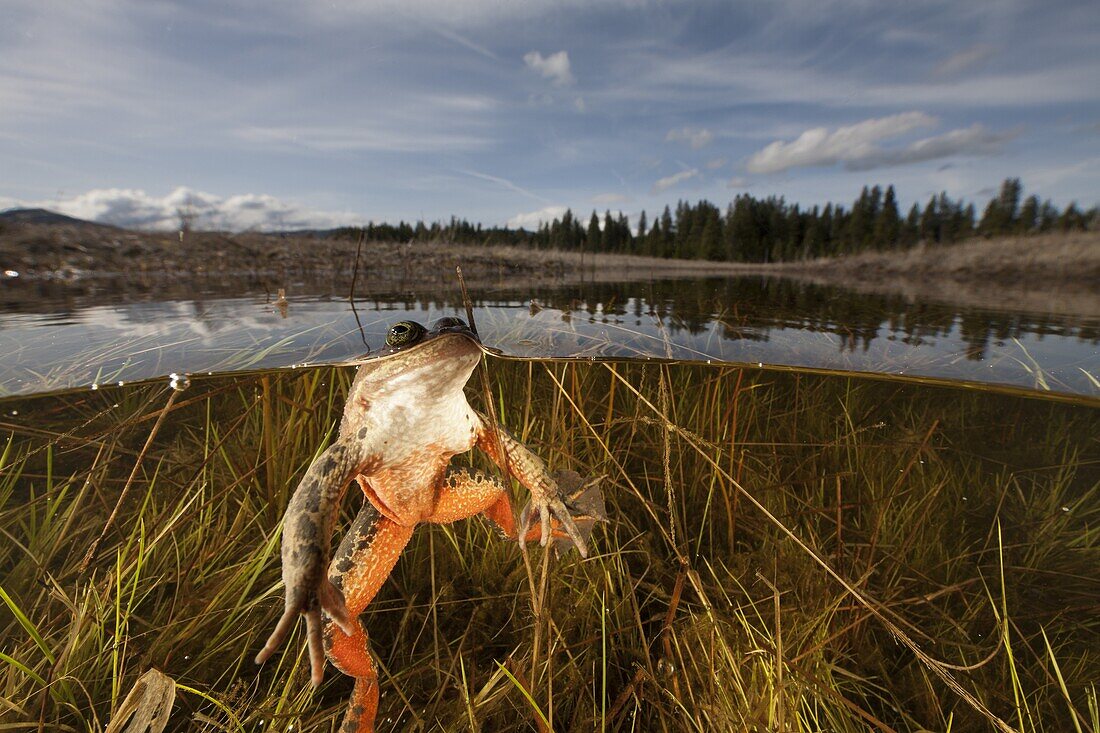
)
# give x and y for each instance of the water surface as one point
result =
(61, 342)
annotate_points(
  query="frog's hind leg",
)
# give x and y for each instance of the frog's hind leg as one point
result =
(464, 493)
(364, 561)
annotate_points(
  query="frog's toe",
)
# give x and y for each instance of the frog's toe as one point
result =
(335, 607)
(585, 503)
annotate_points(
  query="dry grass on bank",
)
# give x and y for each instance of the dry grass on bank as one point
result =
(1050, 273)
(75, 252)
(1047, 260)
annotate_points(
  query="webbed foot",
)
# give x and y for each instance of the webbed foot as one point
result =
(579, 507)
(309, 604)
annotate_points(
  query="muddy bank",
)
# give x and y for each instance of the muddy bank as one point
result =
(120, 264)
(1053, 273)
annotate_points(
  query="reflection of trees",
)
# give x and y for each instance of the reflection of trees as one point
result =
(751, 307)
(737, 308)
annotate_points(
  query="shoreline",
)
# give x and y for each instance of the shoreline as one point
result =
(1054, 273)
(1051, 273)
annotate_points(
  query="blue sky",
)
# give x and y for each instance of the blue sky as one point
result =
(285, 114)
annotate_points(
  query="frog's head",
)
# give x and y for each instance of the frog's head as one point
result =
(438, 359)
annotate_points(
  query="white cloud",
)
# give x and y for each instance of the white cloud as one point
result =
(609, 198)
(737, 182)
(554, 67)
(784, 77)
(133, 208)
(337, 138)
(668, 182)
(820, 147)
(973, 140)
(697, 137)
(532, 219)
(579, 105)
(963, 60)
(715, 163)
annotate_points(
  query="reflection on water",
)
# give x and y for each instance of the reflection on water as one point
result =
(753, 320)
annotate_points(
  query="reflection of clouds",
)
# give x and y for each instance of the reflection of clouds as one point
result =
(210, 318)
(135, 341)
(736, 322)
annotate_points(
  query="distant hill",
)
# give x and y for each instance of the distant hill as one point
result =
(45, 216)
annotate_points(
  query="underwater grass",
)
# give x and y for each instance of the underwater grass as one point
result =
(969, 521)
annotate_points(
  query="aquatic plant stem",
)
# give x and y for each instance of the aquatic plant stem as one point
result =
(351, 293)
(874, 607)
(90, 555)
(537, 594)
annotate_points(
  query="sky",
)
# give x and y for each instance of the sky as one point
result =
(274, 114)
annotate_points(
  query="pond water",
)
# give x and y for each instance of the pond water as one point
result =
(738, 499)
(816, 441)
(58, 341)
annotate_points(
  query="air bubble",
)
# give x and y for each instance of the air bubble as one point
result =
(11, 273)
(178, 382)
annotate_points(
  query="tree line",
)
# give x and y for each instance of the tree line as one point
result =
(767, 229)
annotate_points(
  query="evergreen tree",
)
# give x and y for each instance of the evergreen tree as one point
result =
(1001, 213)
(950, 218)
(594, 242)
(1048, 216)
(762, 230)
(622, 226)
(968, 220)
(1029, 215)
(654, 240)
(838, 232)
(813, 239)
(709, 243)
(910, 233)
(667, 233)
(1072, 219)
(1009, 200)
(610, 235)
(930, 223)
(992, 219)
(888, 222)
(860, 228)
(827, 243)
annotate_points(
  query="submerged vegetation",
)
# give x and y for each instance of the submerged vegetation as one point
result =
(786, 552)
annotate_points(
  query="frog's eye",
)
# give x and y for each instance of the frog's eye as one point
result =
(404, 333)
(448, 322)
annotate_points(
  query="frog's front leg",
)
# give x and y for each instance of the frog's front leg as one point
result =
(548, 500)
(364, 560)
(465, 493)
(307, 533)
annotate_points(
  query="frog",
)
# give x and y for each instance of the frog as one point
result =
(406, 416)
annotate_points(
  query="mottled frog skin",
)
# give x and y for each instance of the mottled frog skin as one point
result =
(406, 416)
